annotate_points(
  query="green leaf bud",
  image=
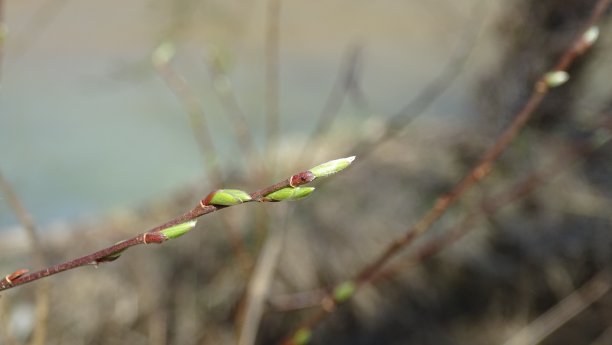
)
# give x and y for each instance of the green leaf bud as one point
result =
(227, 197)
(302, 336)
(179, 230)
(556, 78)
(591, 35)
(112, 257)
(332, 167)
(344, 291)
(163, 54)
(290, 193)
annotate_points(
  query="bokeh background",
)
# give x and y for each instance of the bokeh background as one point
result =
(101, 139)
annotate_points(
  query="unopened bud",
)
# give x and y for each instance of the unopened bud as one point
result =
(332, 167)
(179, 230)
(302, 336)
(226, 197)
(556, 78)
(163, 54)
(301, 178)
(344, 291)
(591, 35)
(290, 193)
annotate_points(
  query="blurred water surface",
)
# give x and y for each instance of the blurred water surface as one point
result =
(88, 126)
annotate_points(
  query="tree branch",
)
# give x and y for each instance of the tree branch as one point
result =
(216, 200)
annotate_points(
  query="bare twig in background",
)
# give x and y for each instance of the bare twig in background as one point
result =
(604, 338)
(297, 300)
(483, 168)
(25, 219)
(564, 311)
(5, 331)
(38, 253)
(347, 84)
(197, 117)
(517, 191)
(40, 21)
(568, 157)
(222, 86)
(430, 92)
(478, 172)
(178, 85)
(347, 78)
(272, 80)
(259, 286)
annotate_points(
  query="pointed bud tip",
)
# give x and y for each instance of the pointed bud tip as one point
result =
(227, 197)
(179, 230)
(163, 54)
(591, 35)
(290, 193)
(332, 167)
(556, 78)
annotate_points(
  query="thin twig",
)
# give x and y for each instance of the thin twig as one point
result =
(272, 79)
(225, 91)
(25, 219)
(477, 173)
(151, 236)
(604, 337)
(563, 311)
(201, 132)
(40, 259)
(38, 24)
(483, 168)
(427, 95)
(5, 332)
(346, 79)
(259, 286)
(197, 117)
(156, 235)
(491, 205)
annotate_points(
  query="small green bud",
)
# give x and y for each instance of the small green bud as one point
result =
(179, 230)
(227, 197)
(332, 167)
(112, 257)
(163, 54)
(344, 291)
(556, 78)
(302, 336)
(290, 193)
(591, 35)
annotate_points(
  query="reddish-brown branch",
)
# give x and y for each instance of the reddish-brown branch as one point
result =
(151, 236)
(477, 173)
(527, 185)
(483, 168)
(181, 89)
